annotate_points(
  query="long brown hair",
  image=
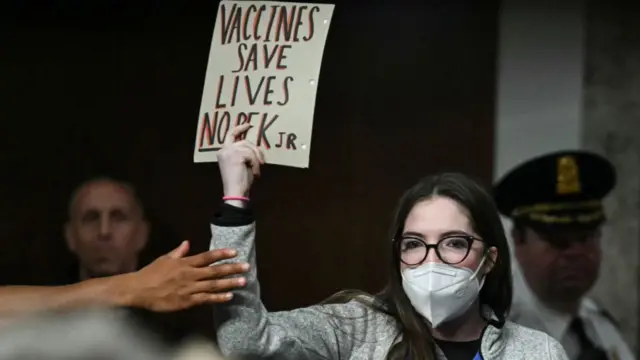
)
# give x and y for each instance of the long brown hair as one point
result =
(414, 339)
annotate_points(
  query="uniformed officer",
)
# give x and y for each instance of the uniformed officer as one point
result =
(555, 202)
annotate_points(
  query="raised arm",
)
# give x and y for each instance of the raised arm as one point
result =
(244, 327)
(172, 282)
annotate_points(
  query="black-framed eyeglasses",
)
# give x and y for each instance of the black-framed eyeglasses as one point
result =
(451, 249)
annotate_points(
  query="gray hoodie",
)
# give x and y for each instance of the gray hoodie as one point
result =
(353, 331)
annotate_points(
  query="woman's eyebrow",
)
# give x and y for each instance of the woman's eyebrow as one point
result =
(455, 232)
(412, 234)
(444, 234)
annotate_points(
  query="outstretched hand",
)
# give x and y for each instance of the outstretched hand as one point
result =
(239, 161)
(175, 282)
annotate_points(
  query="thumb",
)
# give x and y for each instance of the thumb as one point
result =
(181, 251)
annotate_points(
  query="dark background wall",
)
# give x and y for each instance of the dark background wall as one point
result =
(405, 90)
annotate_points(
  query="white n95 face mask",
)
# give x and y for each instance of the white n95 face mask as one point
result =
(441, 292)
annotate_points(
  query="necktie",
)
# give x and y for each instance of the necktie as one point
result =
(588, 350)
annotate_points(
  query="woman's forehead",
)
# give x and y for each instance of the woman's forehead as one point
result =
(438, 215)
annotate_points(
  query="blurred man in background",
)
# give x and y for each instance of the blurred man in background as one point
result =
(106, 229)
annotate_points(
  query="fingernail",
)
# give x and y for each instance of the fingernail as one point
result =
(228, 296)
(233, 253)
(245, 267)
(242, 281)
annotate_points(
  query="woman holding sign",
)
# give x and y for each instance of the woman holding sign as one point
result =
(448, 296)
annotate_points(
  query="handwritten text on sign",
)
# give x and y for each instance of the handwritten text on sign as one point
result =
(263, 69)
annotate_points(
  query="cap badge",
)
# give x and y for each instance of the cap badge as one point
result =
(568, 181)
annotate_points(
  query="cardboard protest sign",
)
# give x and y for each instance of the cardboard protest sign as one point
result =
(263, 69)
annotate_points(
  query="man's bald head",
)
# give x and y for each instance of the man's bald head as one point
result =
(106, 227)
(117, 185)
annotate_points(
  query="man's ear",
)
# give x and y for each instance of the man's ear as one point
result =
(69, 237)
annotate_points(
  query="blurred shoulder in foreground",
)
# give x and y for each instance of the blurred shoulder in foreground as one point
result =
(90, 334)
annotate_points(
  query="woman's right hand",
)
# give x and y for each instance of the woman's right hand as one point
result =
(239, 161)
